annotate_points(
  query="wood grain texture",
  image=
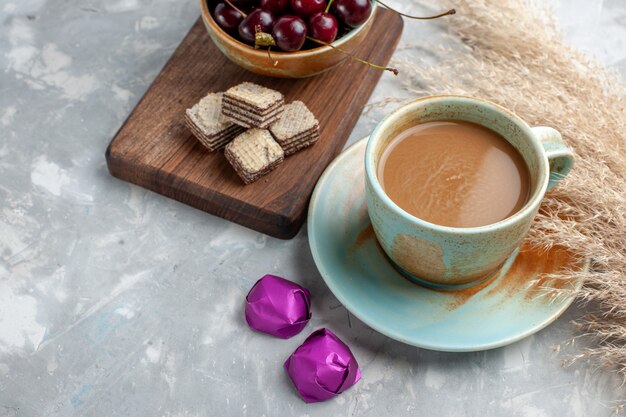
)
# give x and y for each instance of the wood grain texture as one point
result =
(154, 148)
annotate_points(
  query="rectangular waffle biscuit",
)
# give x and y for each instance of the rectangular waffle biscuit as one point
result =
(296, 120)
(208, 125)
(249, 120)
(311, 137)
(240, 108)
(297, 146)
(254, 96)
(251, 105)
(253, 154)
(213, 143)
(299, 138)
(296, 129)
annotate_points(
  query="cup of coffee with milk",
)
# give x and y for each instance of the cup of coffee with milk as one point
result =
(453, 184)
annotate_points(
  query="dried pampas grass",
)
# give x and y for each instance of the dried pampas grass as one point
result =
(510, 52)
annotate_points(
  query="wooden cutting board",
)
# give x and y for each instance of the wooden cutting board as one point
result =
(154, 148)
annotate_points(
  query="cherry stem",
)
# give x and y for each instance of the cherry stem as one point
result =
(449, 12)
(328, 6)
(269, 55)
(352, 56)
(239, 11)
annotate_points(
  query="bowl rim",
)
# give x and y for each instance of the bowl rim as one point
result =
(209, 21)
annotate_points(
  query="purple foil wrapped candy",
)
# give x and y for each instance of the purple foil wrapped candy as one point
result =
(322, 367)
(278, 307)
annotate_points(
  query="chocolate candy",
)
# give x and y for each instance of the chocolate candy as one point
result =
(278, 307)
(322, 367)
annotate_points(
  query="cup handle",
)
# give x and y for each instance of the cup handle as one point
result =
(560, 156)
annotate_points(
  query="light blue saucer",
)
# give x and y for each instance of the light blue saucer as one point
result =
(516, 304)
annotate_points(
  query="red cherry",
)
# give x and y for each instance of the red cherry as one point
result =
(306, 8)
(289, 33)
(245, 3)
(248, 26)
(227, 17)
(323, 27)
(352, 13)
(275, 6)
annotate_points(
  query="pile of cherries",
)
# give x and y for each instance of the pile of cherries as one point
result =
(291, 22)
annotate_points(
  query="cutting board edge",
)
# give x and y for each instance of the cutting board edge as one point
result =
(271, 223)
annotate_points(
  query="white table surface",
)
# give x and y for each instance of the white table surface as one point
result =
(116, 301)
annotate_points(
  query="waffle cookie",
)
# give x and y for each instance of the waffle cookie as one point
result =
(251, 105)
(253, 154)
(296, 129)
(206, 122)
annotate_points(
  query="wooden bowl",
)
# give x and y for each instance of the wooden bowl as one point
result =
(290, 64)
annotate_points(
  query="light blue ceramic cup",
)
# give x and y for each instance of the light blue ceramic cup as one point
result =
(449, 257)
